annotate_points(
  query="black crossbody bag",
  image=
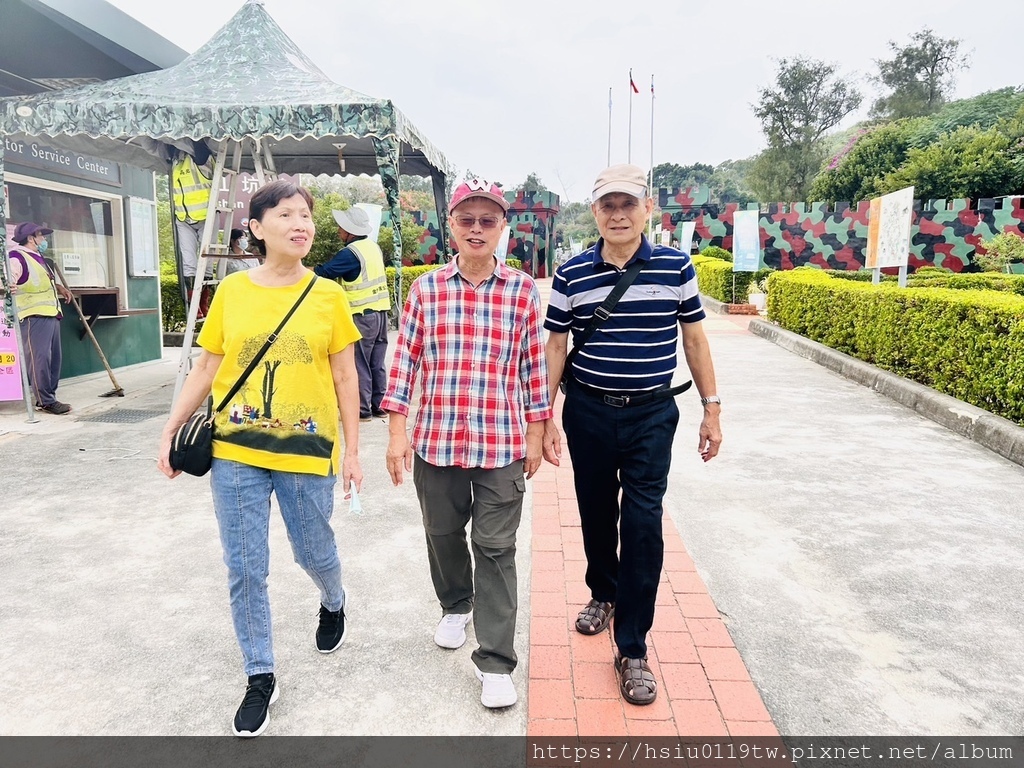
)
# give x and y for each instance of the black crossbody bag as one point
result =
(192, 446)
(602, 313)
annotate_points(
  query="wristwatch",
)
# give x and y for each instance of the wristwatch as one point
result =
(711, 399)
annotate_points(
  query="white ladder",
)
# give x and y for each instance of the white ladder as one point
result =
(216, 240)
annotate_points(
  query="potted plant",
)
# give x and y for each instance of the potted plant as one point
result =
(757, 293)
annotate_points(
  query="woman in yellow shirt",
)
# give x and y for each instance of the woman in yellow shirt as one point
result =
(280, 432)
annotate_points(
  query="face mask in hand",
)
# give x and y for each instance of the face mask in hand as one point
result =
(42, 246)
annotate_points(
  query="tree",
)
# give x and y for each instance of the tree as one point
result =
(575, 221)
(411, 233)
(532, 184)
(875, 155)
(673, 176)
(919, 76)
(726, 180)
(968, 162)
(809, 98)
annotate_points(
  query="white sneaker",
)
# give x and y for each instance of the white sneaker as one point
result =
(498, 690)
(451, 631)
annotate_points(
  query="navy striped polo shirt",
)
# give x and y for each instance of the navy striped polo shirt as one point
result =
(634, 349)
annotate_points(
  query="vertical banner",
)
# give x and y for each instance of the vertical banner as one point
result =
(501, 252)
(746, 241)
(889, 223)
(373, 211)
(10, 365)
(686, 230)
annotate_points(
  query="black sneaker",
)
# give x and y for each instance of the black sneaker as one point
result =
(331, 632)
(57, 408)
(379, 414)
(253, 715)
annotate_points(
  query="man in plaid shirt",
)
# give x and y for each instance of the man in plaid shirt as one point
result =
(471, 332)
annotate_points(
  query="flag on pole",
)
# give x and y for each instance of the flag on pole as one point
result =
(631, 83)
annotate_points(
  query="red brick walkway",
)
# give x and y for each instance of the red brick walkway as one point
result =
(704, 687)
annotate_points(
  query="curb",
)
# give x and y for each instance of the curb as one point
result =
(722, 308)
(997, 434)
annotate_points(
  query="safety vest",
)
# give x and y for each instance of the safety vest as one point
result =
(191, 191)
(370, 289)
(37, 296)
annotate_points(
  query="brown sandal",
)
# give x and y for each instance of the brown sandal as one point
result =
(595, 617)
(636, 681)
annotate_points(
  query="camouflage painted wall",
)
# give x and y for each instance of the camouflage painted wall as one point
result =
(943, 233)
(532, 219)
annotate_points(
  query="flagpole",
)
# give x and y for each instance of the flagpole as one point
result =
(609, 125)
(650, 184)
(629, 136)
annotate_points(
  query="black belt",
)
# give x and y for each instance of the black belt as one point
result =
(627, 400)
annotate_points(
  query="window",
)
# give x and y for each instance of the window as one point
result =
(87, 243)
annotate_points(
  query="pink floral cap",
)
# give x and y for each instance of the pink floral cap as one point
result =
(478, 188)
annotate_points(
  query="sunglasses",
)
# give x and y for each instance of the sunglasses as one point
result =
(486, 222)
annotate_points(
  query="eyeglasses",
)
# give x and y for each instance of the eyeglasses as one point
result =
(486, 222)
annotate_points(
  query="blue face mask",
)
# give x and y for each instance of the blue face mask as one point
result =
(243, 243)
(42, 246)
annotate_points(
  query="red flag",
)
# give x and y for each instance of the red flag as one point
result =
(631, 83)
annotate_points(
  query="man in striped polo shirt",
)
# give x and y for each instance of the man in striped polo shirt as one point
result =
(620, 415)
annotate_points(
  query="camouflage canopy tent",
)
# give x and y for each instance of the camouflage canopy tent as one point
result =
(249, 82)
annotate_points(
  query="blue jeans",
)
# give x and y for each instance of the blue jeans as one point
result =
(621, 453)
(241, 500)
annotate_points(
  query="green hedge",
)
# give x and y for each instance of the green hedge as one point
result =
(943, 278)
(966, 343)
(716, 279)
(172, 309)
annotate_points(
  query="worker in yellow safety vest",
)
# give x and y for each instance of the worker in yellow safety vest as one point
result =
(191, 186)
(360, 266)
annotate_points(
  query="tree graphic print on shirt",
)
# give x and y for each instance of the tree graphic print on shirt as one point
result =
(267, 416)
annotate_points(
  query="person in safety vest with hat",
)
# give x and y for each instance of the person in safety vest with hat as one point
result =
(360, 265)
(191, 185)
(37, 294)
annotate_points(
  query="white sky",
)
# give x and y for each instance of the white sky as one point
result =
(508, 88)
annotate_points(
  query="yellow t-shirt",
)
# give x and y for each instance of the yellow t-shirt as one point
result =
(285, 415)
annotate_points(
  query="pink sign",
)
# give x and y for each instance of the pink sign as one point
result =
(10, 369)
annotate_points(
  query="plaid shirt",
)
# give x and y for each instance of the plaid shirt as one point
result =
(480, 356)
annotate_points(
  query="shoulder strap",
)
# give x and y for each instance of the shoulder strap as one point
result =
(263, 350)
(602, 313)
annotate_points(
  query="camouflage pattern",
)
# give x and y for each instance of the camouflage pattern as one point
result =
(531, 217)
(943, 233)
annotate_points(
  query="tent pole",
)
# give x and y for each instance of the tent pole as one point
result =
(386, 151)
(8, 306)
(444, 246)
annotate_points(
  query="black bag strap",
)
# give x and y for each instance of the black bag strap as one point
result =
(263, 350)
(602, 313)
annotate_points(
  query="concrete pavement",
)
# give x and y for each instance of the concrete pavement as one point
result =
(865, 561)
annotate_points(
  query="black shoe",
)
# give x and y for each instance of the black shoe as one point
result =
(253, 715)
(379, 414)
(367, 417)
(57, 408)
(331, 632)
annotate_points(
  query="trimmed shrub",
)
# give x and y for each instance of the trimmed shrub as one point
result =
(515, 264)
(966, 343)
(409, 276)
(714, 252)
(717, 280)
(173, 312)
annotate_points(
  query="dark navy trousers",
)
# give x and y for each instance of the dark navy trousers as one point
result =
(628, 451)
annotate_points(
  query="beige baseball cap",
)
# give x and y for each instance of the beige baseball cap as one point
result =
(629, 179)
